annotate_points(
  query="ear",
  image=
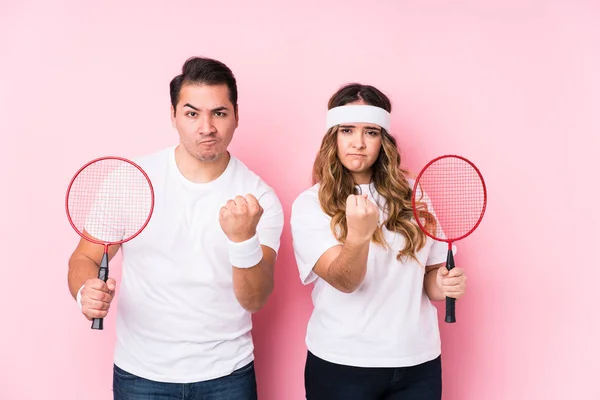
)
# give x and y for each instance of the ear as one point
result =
(173, 116)
(237, 116)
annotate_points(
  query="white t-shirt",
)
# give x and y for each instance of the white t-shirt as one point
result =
(178, 319)
(388, 321)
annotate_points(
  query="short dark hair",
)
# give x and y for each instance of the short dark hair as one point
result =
(204, 71)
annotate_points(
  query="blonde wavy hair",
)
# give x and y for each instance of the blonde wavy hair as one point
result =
(388, 178)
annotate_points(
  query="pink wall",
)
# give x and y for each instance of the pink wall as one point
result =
(514, 86)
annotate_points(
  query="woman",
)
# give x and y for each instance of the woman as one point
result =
(373, 333)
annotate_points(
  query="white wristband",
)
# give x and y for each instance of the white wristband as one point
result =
(245, 254)
(79, 297)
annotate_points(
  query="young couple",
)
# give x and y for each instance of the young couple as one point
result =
(205, 261)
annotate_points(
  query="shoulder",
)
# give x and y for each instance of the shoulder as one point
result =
(155, 159)
(246, 180)
(307, 201)
(241, 172)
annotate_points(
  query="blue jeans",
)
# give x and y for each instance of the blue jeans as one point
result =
(328, 381)
(239, 385)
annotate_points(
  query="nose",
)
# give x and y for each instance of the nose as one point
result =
(206, 125)
(358, 141)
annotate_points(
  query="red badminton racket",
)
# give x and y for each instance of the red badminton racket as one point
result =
(453, 191)
(109, 201)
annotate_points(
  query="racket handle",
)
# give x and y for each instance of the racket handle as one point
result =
(450, 313)
(98, 323)
(450, 302)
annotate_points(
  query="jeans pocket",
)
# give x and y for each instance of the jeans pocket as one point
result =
(122, 374)
(244, 370)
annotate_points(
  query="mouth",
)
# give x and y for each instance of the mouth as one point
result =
(356, 155)
(208, 142)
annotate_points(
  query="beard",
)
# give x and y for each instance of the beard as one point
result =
(208, 157)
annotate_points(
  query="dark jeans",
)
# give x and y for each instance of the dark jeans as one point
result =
(328, 381)
(239, 385)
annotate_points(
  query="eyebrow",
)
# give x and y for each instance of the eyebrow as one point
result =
(190, 106)
(221, 108)
(376, 128)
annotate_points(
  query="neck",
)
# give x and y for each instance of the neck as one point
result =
(361, 178)
(198, 171)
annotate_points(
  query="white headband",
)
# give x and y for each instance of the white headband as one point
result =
(359, 114)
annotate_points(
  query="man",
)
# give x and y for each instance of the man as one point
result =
(203, 264)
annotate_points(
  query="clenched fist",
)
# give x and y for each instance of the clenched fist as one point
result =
(451, 283)
(96, 297)
(239, 218)
(362, 217)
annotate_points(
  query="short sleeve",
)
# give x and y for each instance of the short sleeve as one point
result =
(438, 253)
(311, 234)
(270, 226)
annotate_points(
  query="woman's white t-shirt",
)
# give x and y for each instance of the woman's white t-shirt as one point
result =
(388, 321)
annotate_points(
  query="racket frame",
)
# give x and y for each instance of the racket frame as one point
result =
(450, 302)
(98, 323)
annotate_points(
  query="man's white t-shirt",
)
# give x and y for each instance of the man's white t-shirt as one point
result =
(178, 319)
(388, 321)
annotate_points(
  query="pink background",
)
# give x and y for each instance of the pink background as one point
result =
(514, 86)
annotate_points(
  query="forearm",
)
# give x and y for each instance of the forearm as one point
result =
(81, 268)
(252, 286)
(347, 271)
(430, 285)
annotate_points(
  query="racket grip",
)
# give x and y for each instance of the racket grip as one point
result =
(450, 302)
(450, 310)
(98, 323)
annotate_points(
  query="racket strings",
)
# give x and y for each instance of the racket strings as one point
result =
(110, 200)
(454, 192)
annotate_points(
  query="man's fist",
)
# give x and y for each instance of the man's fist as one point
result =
(96, 297)
(239, 218)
